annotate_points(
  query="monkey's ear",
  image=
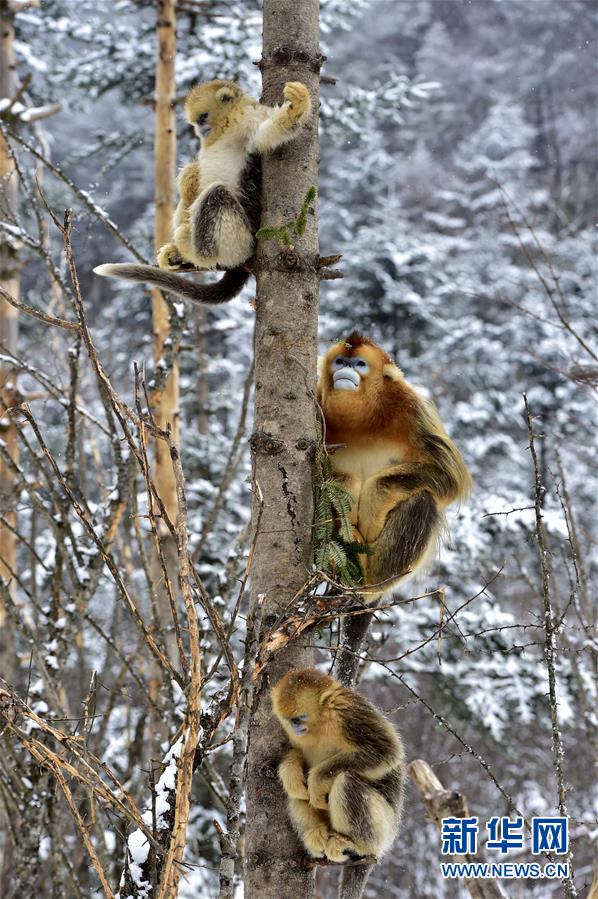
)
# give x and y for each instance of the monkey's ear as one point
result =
(226, 94)
(326, 695)
(392, 371)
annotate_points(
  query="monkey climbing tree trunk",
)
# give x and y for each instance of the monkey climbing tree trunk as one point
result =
(9, 280)
(284, 437)
(165, 399)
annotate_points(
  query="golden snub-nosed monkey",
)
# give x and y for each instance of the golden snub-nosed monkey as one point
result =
(393, 456)
(219, 207)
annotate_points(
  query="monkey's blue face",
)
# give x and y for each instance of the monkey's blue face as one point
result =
(202, 126)
(347, 372)
(298, 725)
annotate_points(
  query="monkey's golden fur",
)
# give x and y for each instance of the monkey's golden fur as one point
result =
(344, 777)
(218, 211)
(239, 126)
(396, 460)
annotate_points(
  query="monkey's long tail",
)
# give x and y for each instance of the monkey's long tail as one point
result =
(222, 291)
(353, 632)
(353, 881)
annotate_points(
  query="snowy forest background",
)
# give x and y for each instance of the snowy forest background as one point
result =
(458, 178)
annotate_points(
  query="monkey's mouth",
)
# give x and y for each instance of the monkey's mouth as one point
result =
(345, 379)
(204, 130)
(300, 729)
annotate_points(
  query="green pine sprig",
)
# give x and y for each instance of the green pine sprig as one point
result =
(337, 553)
(296, 227)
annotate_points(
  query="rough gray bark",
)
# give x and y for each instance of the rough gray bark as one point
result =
(284, 436)
(354, 631)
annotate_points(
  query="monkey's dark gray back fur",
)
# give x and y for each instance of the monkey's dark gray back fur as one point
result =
(250, 190)
(232, 281)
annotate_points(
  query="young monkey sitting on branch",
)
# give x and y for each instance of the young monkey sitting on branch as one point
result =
(344, 776)
(219, 207)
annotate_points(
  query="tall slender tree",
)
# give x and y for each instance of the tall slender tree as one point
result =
(165, 398)
(284, 437)
(9, 280)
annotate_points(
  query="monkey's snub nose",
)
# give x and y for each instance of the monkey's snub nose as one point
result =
(300, 729)
(345, 379)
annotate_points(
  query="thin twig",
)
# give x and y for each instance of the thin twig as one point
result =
(81, 195)
(550, 631)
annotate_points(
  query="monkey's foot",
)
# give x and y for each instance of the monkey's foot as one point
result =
(339, 849)
(353, 856)
(169, 257)
(316, 840)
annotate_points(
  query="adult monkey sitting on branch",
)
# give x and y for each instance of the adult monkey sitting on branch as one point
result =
(394, 457)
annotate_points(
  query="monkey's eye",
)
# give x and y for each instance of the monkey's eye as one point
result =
(339, 362)
(201, 119)
(360, 363)
(299, 719)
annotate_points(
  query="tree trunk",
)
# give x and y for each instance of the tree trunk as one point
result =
(354, 631)
(165, 400)
(284, 438)
(9, 323)
(9, 280)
